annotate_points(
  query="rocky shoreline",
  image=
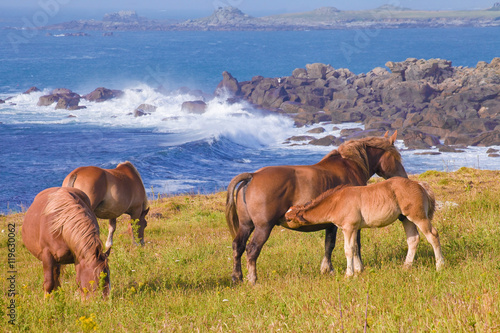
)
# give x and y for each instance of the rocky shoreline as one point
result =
(429, 102)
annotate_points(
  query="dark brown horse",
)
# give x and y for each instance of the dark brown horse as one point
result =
(60, 228)
(374, 206)
(113, 192)
(262, 198)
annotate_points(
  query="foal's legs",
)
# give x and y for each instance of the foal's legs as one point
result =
(111, 231)
(330, 239)
(433, 238)
(351, 250)
(260, 236)
(51, 271)
(412, 238)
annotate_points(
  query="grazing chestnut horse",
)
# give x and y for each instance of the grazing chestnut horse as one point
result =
(262, 198)
(113, 192)
(374, 206)
(60, 228)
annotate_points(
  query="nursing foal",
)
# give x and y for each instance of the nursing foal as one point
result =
(378, 205)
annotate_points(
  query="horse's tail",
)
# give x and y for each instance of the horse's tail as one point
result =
(430, 198)
(231, 214)
(71, 181)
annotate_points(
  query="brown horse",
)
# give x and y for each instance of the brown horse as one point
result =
(263, 197)
(60, 228)
(374, 206)
(113, 192)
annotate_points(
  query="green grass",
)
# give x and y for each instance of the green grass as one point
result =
(180, 280)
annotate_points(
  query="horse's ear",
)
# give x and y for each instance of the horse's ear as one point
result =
(145, 212)
(386, 135)
(393, 137)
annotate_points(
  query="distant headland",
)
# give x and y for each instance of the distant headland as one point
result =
(325, 18)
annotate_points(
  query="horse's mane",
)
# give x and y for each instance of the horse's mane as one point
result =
(145, 205)
(355, 150)
(75, 222)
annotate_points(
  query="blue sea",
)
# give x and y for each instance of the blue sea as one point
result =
(177, 152)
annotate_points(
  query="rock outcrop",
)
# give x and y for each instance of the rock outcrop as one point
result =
(102, 94)
(65, 99)
(427, 101)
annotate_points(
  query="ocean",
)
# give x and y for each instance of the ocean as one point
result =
(177, 152)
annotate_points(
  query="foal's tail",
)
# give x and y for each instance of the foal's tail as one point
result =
(231, 214)
(430, 198)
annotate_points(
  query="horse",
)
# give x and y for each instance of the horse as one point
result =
(113, 192)
(263, 197)
(374, 206)
(60, 228)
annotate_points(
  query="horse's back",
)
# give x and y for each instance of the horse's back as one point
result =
(36, 232)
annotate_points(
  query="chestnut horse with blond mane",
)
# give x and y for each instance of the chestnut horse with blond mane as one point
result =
(263, 197)
(374, 206)
(113, 192)
(60, 228)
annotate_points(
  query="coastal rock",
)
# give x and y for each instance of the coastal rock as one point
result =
(196, 107)
(328, 140)
(65, 99)
(228, 85)
(102, 94)
(429, 100)
(144, 109)
(30, 90)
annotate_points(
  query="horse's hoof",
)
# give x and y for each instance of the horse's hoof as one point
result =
(237, 279)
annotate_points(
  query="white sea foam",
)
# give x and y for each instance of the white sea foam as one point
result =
(238, 122)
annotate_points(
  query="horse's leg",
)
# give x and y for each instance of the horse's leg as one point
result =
(412, 238)
(239, 246)
(432, 236)
(358, 263)
(259, 238)
(350, 250)
(330, 238)
(50, 280)
(111, 231)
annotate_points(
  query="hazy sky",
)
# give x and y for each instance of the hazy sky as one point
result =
(199, 8)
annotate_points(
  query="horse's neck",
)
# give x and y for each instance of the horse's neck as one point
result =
(336, 165)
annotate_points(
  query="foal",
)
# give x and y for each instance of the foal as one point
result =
(378, 205)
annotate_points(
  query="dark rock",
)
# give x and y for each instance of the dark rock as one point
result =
(494, 155)
(301, 138)
(328, 140)
(491, 150)
(300, 73)
(65, 98)
(428, 153)
(68, 102)
(415, 139)
(2, 101)
(144, 109)
(197, 107)
(102, 94)
(448, 149)
(316, 130)
(30, 90)
(350, 131)
(228, 85)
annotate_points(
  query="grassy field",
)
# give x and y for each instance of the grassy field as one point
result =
(180, 280)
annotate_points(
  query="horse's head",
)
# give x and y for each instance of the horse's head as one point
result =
(387, 162)
(93, 274)
(296, 214)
